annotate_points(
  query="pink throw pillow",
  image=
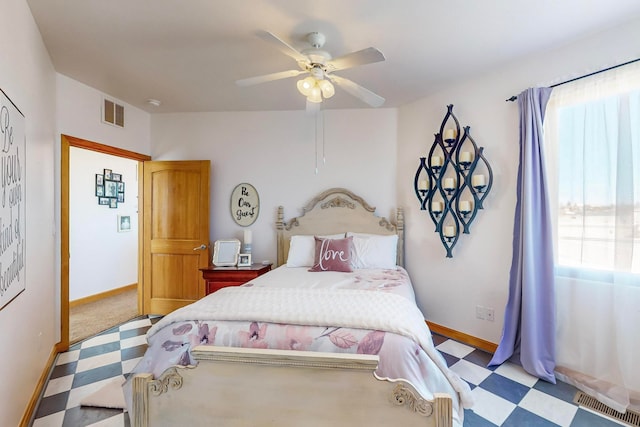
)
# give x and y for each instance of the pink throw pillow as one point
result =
(333, 255)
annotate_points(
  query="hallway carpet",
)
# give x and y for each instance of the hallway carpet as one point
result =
(86, 320)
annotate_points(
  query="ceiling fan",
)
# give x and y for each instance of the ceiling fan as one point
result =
(319, 65)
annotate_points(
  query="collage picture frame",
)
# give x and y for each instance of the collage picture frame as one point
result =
(109, 188)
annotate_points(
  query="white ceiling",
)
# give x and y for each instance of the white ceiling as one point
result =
(188, 54)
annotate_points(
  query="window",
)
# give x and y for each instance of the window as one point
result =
(592, 131)
(592, 142)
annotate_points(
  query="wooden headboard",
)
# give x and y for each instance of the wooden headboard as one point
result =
(334, 211)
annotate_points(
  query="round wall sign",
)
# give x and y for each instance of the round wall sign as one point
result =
(245, 204)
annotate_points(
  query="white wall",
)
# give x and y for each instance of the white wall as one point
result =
(276, 153)
(101, 258)
(79, 114)
(448, 290)
(27, 329)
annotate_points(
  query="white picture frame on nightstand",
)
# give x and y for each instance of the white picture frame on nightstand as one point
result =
(244, 260)
(225, 252)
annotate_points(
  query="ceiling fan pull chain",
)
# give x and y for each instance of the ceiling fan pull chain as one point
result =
(316, 141)
(324, 159)
(319, 117)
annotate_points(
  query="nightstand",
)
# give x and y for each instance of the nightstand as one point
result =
(221, 277)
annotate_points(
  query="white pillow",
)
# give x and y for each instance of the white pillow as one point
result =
(374, 250)
(302, 249)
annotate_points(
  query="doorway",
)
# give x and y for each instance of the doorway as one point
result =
(66, 143)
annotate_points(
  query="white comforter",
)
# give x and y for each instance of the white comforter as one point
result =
(346, 308)
(367, 311)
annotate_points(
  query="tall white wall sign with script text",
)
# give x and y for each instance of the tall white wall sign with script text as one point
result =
(12, 201)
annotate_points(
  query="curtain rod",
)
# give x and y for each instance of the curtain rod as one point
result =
(514, 97)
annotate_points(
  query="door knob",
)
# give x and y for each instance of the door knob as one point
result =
(200, 248)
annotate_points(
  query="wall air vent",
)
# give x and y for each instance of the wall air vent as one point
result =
(630, 417)
(112, 113)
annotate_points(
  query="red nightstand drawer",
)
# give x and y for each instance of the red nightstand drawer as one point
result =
(221, 277)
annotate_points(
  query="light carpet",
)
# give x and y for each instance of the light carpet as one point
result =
(86, 320)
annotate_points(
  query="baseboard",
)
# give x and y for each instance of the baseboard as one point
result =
(101, 295)
(37, 392)
(479, 343)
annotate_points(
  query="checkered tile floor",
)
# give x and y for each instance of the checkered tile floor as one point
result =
(504, 396)
(86, 367)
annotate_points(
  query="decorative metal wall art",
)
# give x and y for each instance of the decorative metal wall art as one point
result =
(453, 181)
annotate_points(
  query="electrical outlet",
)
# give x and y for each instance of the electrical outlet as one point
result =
(480, 312)
(490, 314)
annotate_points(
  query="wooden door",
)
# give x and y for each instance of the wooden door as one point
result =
(176, 233)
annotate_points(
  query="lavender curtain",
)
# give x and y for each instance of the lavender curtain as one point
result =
(528, 336)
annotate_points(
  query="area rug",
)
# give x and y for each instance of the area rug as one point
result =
(109, 395)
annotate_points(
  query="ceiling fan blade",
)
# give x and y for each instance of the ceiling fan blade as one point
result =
(360, 57)
(283, 46)
(269, 77)
(358, 91)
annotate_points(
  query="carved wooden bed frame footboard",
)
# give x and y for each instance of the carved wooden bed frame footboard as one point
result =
(256, 387)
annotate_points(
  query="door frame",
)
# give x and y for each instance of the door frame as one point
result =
(66, 142)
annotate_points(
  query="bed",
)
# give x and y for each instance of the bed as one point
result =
(331, 337)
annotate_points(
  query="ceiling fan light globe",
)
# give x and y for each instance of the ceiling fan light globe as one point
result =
(310, 82)
(327, 88)
(301, 88)
(305, 85)
(315, 95)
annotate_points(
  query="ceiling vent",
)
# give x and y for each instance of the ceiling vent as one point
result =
(112, 113)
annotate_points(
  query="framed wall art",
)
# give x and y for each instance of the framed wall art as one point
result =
(124, 223)
(109, 188)
(13, 166)
(245, 204)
